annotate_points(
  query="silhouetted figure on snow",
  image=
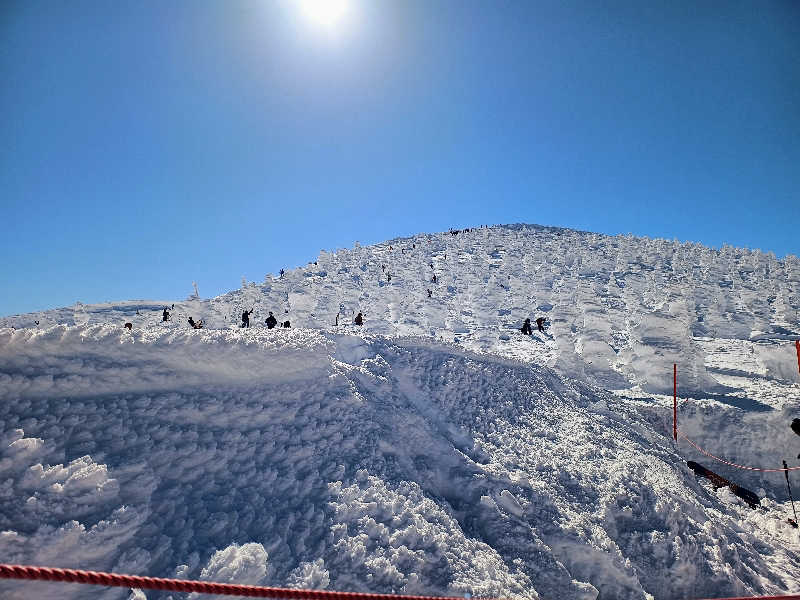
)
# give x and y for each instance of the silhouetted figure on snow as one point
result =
(359, 320)
(526, 327)
(271, 321)
(430, 293)
(129, 326)
(540, 323)
(337, 320)
(165, 315)
(246, 318)
(434, 278)
(286, 324)
(389, 277)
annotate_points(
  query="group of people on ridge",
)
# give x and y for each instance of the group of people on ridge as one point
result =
(526, 326)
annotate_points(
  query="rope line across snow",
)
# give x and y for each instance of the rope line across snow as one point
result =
(227, 589)
(186, 585)
(681, 434)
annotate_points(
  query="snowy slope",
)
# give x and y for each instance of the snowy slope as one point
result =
(436, 449)
(620, 308)
(355, 462)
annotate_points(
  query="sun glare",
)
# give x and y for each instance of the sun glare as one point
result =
(328, 13)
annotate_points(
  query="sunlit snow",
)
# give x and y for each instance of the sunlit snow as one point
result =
(435, 450)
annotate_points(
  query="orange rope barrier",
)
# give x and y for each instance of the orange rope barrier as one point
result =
(681, 434)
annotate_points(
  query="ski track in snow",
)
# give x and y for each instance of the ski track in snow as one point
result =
(436, 450)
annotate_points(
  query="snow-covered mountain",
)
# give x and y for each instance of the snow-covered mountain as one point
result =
(435, 449)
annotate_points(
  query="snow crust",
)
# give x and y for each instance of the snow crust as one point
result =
(436, 450)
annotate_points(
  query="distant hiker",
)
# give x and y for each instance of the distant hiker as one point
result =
(165, 315)
(271, 321)
(434, 278)
(359, 320)
(337, 320)
(402, 250)
(413, 246)
(388, 277)
(246, 318)
(129, 326)
(526, 327)
(286, 324)
(540, 323)
(430, 293)
(281, 272)
(173, 307)
(383, 268)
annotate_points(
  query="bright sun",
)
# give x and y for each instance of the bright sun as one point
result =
(328, 13)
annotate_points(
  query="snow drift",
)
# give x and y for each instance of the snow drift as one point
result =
(353, 462)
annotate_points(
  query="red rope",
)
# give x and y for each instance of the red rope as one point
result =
(228, 589)
(185, 585)
(733, 464)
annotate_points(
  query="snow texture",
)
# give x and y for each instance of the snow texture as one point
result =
(435, 450)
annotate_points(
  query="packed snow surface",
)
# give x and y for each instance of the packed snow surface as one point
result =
(436, 450)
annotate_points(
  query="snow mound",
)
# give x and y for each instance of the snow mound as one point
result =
(353, 462)
(620, 309)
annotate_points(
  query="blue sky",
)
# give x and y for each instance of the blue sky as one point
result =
(145, 145)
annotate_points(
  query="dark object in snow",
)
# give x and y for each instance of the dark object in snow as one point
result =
(430, 293)
(359, 320)
(246, 318)
(718, 482)
(388, 277)
(286, 324)
(165, 315)
(434, 278)
(197, 325)
(526, 327)
(271, 321)
(129, 326)
(795, 426)
(792, 522)
(540, 323)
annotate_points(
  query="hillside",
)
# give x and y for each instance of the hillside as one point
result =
(621, 309)
(436, 450)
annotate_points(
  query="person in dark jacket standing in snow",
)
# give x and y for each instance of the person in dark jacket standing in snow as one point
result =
(540, 323)
(246, 318)
(359, 320)
(526, 327)
(271, 321)
(165, 315)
